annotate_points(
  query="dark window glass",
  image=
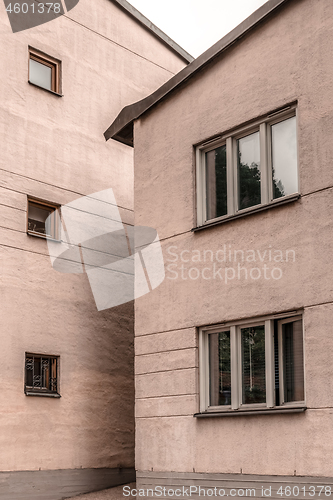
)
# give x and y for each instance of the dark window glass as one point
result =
(216, 183)
(39, 220)
(276, 365)
(248, 164)
(253, 365)
(293, 372)
(220, 370)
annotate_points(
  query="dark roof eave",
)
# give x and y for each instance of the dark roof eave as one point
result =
(171, 44)
(132, 112)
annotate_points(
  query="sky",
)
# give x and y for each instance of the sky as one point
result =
(196, 24)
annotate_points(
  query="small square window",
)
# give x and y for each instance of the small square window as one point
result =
(42, 219)
(248, 168)
(251, 365)
(41, 375)
(44, 71)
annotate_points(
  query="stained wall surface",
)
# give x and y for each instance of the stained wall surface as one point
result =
(285, 59)
(53, 149)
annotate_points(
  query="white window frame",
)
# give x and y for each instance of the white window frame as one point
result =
(263, 126)
(235, 359)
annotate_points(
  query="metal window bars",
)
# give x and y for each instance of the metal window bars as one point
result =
(41, 373)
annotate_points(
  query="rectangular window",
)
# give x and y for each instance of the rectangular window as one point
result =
(42, 219)
(291, 361)
(41, 375)
(44, 71)
(216, 182)
(284, 158)
(248, 171)
(219, 369)
(252, 365)
(247, 168)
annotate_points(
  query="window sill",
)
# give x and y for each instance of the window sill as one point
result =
(43, 394)
(47, 90)
(43, 236)
(259, 411)
(259, 208)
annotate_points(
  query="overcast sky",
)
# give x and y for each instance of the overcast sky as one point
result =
(196, 24)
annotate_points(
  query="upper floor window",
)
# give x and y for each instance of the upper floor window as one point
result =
(44, 71)
(252, 365)
(248, 168)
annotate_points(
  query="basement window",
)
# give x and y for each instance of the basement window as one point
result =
(41, 375)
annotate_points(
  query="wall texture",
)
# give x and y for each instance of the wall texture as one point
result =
(60, 484)
(53, 149)
(285, 59)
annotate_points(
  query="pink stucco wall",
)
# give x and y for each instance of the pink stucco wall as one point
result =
(287, 58)
(53, 149)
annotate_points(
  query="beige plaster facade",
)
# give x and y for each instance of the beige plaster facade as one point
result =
(285, 59)
(53, 149)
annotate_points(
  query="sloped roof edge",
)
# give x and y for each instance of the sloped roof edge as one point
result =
(122, 127)
(127, 7)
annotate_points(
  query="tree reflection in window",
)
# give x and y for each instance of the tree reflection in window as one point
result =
(253, 365)
(220, 369)
(248, 157)
(216, 182)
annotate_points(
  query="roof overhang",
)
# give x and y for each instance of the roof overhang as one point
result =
(122, 127)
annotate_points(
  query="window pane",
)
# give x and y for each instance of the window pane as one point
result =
(53, 379)
(29, 371)
(253, 365)
(284, 158)
(216, 182)
(45, 373)
(293, 373)
(37, 220)
(248, 159)
(219, 365)
(37, 373)
(40, 74)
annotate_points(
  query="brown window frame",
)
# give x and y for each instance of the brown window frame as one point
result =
(52, 209)
(52, 63)
(37, 389)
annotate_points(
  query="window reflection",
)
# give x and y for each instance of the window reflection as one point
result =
(220, 369)
(216, 182)
(253, 364)
(248, 159)
(284, 158)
